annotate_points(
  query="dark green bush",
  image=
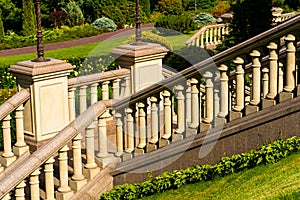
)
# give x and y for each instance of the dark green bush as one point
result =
(267, 154)
(180, 23)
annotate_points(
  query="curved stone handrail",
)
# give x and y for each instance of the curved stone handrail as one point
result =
(40, 156)
(13, 103)
(98, 77)
(211, 33)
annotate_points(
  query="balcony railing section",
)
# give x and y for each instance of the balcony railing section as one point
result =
(13, 138)
(207, 36)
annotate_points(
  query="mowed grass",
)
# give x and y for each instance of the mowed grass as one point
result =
(98, 48)
(274, 181)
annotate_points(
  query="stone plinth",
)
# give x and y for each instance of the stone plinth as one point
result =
(144, 61)
(46, 113)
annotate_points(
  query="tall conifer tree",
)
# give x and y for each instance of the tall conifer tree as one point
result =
(29, 18)
(1, 27)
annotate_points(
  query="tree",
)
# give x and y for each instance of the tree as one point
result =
(28, 18)
(75, 16)
(145, 5)
(1, 27)
(251, 17)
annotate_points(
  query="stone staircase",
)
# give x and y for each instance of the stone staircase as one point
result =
(81, 146)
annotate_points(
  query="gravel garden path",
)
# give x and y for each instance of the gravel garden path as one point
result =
(71, 43)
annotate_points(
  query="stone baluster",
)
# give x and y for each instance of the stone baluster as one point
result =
(219, 35)
(215, 35)
(71, 99)
(90, 169)
(103, 156)
(280, 78)
(8, 156)
(82, 99)
(34, 185)
(105, 90)
(206, 37)
(256, 83)
(240, 90)
(19, 192)
(197, 41)
(194, 107)
(130, 134)
(265, 80)
(154, 125)
(165, 139)
(209, 102)
(188, 102)
(94, 93)
(273, 76)
(201, 102)
(77, 180)
(142, 128)
(20, 147)
(49, 179)
(64, 191)
(211, 39)
(180, 114)
(289, 77)
(216, 100)
(224, 91)
(116, 88)
(202, 40)
(240, 85)
(119, 135)
(290, 64)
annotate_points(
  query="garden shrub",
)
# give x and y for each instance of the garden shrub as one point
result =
(267, 154)
(152, 38)
(170, 7)
(75, 16)
(58, 18)
(104, 23)
(1, 27)
(221, 8)
(180, 23)
(28, 18)
(204, 18)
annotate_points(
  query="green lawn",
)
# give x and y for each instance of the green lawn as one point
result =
(263, 182)
(98, 48)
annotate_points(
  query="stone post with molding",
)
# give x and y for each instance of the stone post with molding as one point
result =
(47, 112)
(144, 60)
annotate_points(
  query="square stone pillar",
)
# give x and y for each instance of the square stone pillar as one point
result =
(46, 113)
(144, 61)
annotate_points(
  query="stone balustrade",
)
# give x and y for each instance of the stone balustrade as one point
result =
(283, 17)
(254, 75)
(208, 36)
(13, 108)
(86, 90)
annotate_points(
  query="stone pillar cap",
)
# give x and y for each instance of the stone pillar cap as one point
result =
(30, 68)
(134, 51)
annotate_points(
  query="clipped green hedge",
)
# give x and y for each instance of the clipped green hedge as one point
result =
(180, 23)
(267, 154)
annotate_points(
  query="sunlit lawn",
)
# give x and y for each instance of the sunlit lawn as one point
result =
(99, 48)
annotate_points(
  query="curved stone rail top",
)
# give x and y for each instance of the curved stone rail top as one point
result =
(211, 34)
